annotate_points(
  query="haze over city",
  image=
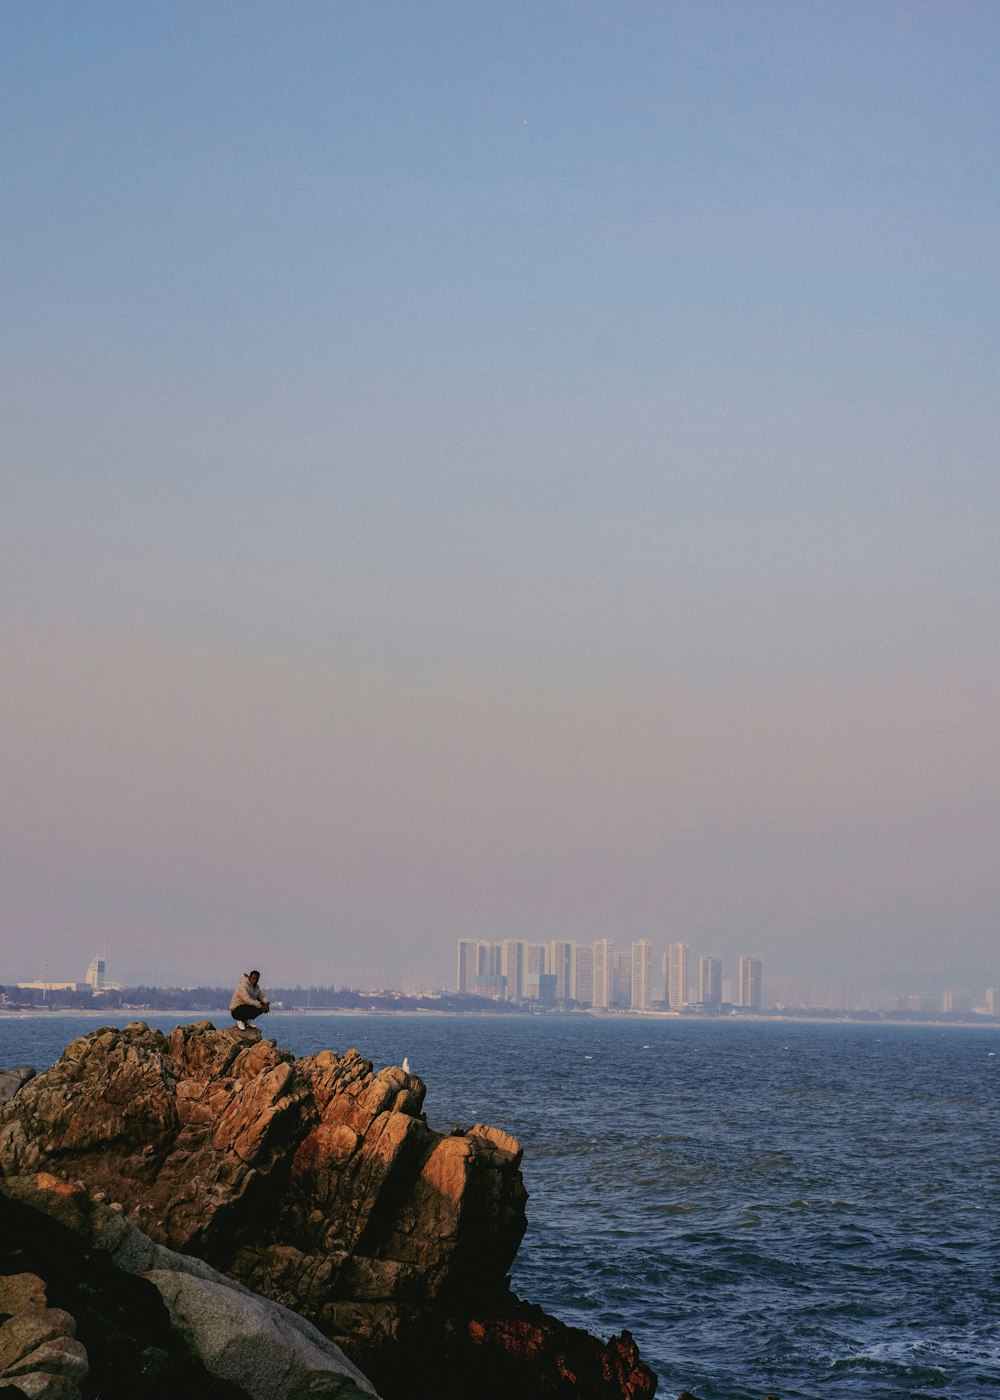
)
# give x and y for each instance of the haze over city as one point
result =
(500, 472)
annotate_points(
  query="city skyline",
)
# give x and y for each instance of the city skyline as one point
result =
(499, 975)
(602, 976)
(472, 470)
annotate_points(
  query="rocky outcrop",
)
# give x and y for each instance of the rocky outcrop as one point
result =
(318, 1184)
(73, 1326)
(231, 1342)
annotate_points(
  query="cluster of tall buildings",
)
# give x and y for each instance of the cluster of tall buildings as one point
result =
(597, 974)
(952, 1003)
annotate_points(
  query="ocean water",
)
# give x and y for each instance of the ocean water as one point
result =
(806, 1210)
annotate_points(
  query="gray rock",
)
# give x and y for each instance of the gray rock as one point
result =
(12, 1079)
(259, 1345)
(265, 1348)
(23, 1335)
(38, 1352)
(42, 1385)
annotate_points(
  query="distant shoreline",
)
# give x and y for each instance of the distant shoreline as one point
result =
(778, 1018)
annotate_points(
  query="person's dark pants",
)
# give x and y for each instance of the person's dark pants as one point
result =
(246, 1013)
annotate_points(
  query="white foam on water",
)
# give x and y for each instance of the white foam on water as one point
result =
(936, 1352)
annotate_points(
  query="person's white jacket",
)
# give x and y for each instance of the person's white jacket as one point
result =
(246, 994)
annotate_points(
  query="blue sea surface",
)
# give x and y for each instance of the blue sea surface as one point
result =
(809, 1210)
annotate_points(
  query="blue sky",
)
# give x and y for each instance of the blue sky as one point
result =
(520, 470)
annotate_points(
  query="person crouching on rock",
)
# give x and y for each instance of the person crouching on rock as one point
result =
(248, 1001)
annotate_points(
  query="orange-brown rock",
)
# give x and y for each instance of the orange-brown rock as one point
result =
(319, 1184)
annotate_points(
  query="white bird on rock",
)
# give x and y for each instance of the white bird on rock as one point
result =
(406, 1065)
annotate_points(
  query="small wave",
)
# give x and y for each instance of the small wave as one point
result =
(884, 1365)
(928, 1357)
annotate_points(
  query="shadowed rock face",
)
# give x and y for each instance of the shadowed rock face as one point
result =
(318, 1184)
(72, 1324)
(12, 1079)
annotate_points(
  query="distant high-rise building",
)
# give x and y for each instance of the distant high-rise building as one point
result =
(749, 983)
(490, 982)
(956, 1002)
(560, 965)
(512, 968)
(540, 987)
(921, 1003)
(468, 963)
(993, 1000)
(623, 980)
(710, 982)
(479, 969)
(534, 959)
(95, 976)
(604, 972)
(642, 975)
(582, 976)
(677, 975)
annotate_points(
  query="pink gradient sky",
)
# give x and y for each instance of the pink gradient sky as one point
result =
(528, 472)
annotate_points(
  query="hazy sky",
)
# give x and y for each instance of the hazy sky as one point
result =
(499, 470)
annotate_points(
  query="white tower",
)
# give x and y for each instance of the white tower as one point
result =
(95, 976)
(642, 974)
(678, 978)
